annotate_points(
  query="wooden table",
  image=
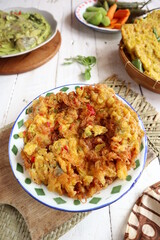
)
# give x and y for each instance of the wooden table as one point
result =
(19, 89)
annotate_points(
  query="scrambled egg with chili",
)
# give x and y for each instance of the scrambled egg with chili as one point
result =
(79, 143)
(142, 41)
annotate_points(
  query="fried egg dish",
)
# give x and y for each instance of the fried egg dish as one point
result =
(78, 143)
(142, 41)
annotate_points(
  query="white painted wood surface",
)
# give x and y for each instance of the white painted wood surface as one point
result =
(16, 91)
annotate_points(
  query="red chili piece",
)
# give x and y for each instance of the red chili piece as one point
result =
(32, 159)
(66, 148)
(91, 109)
(48, 124)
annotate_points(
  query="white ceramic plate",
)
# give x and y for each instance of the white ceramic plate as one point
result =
(79, 15)
(107, 196)
(48, 16)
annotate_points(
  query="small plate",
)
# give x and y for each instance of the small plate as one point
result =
(51, 199)
(79, 15)
(48, 16)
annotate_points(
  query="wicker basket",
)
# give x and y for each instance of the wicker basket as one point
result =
(135, 74)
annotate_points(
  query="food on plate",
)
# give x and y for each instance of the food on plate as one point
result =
(106, 16)
(79, 143)
(96, 16)
(119, 17)
(142, 42)
(22, 31)
(111, 11)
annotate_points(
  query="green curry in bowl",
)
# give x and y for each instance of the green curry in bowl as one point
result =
(22, 31)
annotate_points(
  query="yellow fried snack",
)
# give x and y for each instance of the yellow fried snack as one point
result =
(79, 143)
(142, 41)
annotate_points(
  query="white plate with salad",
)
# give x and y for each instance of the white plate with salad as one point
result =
(79, 13)
(24, 30)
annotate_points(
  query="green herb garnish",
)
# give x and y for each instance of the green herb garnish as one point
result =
(88, 62)
(138, 64)
(156, 34)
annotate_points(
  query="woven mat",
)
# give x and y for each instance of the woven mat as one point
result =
(12, 224)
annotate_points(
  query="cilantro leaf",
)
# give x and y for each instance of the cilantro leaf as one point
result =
(87, 74)
(88, 62)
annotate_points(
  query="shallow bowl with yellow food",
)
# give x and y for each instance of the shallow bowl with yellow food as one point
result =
(141, 41)
(78, 148)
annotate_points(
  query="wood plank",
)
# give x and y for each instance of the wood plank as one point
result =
(7, 85)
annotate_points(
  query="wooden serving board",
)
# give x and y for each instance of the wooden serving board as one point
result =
(41, 220)
(31, 60)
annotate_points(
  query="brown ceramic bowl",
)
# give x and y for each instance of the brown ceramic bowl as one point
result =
(135, 74)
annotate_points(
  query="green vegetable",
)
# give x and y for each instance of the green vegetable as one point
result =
(156, 34)
(138, 64)
(87, 15)
(106, 21)
(106, 6)
(134, 13)
(87, 74)
(88, 62)
(97, 9)
(130, 5)
(94, 18)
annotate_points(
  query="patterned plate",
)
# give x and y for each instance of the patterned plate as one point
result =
(79, 15)
(48, 16)
(107, 196)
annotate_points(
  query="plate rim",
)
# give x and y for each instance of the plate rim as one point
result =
(42, 12)
(87, 209)
(99, 29)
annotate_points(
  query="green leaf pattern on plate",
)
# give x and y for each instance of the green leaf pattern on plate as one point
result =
(28, 110)
(128, 178)
(48, 94)
(95, 200)
(14, 149)
(141, 147)
(116, 189)
(39, 191)
(64, 89)
(28, 181)
(137, 164)
(19, 168)
(20, 123)
(59, 200)
(76, 202)
(15, 136)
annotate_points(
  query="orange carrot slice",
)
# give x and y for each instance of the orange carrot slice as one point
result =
(111, 11)
(121, 13)
(117, 26)
(123, 20)
(114, 20)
